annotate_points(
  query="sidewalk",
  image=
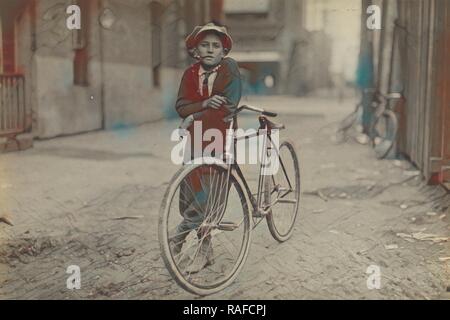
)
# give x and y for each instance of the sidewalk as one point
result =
(92, 200)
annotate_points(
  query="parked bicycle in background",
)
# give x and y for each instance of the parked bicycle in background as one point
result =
(382, 127)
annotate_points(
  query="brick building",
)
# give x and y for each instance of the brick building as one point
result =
(120, 69)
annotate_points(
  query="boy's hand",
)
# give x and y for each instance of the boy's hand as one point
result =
(215, 102)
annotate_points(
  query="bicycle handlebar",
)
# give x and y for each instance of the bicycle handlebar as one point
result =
(249, 108)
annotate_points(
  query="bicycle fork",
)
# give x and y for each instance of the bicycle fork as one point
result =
(229, 160)
(260, 210)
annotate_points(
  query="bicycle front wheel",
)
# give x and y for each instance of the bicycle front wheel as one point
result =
(204, 228)
(282, 193)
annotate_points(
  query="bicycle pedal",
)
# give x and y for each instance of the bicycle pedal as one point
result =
(227, 226)
(258, 214)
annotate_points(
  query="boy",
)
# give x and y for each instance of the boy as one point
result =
(209, 91)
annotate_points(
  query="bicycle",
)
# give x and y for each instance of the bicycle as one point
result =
(384, 125)
(223, 227)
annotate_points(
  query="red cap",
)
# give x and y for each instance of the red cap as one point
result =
(193, 39)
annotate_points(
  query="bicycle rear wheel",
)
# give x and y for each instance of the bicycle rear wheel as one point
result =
(384, 130)
(282, 192)
(199, 222)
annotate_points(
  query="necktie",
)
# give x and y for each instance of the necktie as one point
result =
(205, 87)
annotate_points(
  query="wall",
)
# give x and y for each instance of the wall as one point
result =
(413, 56)
(59, 107)
(340, 21)
(311, 63)
(120, 88)
(129, 95)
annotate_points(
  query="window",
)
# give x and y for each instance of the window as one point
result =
(246, 7)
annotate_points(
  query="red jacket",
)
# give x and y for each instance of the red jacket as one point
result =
(227, 83)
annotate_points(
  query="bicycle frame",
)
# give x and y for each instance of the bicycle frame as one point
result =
(260, 209)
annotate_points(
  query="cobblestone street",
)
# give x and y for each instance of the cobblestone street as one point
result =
(93, 200)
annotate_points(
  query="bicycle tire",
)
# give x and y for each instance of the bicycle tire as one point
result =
(271, 217)
(163, 233)
(388, 141)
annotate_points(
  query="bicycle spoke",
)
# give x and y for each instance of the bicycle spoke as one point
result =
(205, 251)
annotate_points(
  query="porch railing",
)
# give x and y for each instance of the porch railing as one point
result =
(13, 119)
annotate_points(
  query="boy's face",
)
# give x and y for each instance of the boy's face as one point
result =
(210, 50)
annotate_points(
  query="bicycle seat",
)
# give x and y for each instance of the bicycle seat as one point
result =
(275, 126)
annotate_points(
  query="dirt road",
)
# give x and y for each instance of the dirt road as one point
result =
(92, 200)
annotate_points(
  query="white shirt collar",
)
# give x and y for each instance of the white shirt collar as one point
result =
(201, 70)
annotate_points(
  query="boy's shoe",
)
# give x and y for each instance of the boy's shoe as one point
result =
(204, 258)
(175, 247)
(176, 242)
